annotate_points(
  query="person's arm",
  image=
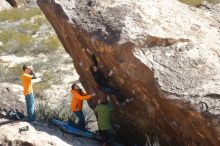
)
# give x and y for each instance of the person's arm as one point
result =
(94, 60)
(32, 73)
(85, 97)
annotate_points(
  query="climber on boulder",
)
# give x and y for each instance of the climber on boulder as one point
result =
(103, 113)
(26, 77)
(77, 102)
(103, 84)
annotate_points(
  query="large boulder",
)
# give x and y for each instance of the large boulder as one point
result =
(4, 5)
(11, 97)
(163, 52)
(15, 133)
(17, 3)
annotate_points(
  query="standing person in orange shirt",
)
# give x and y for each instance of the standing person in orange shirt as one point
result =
(77, 103)
(26, 78)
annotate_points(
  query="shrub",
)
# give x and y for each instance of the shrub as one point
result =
(196, 2)
(10, 74)
(18, 14)
(41, 86)
(44, 111)
(13, 41)
(47, 81)
(40, 20)
(213, 1)
(27, 27)
(50, 44)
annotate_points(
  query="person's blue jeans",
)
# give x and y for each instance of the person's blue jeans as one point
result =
(112, 91)
(30, 103)
(81, 120)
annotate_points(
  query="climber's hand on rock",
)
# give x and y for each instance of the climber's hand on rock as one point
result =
(93, 94)
(89, 51)
(81, 64)
(110, 73)
(108, 98)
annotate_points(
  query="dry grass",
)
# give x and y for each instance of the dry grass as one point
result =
(41, 86)
(10, 74)
(196, 2)
(48, 79)
(27, 27)
(45, 112)
(18, 14)
(14, 41)
(52, 43)
(40, 20)
(48, 45)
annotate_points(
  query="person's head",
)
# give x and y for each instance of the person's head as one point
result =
(26, 69)
(75, 87)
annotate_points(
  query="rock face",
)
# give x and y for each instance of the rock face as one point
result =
(4, 5)
(16, 3)
(163, 52)
(11, 97)
(39, 134)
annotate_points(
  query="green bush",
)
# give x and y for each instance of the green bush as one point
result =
(52, 43)
(47, 45)
(33, 28)
(14, 42)
(196, 2)
(18, 14)
(47, 81)
(45, 112)
(10, 74)
(41, 20)
(213, 1)
(41, 86)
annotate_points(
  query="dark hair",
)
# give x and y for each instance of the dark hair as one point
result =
(80, 90)
(73, 86)
(25, 67)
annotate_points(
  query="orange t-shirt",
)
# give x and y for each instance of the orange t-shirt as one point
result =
(26, 83)
(77, 100)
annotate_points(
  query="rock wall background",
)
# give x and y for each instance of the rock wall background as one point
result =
(4, 5)
(26, 37)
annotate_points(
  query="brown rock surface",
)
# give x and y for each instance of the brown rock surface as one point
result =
(158, 51)
(16, 3)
